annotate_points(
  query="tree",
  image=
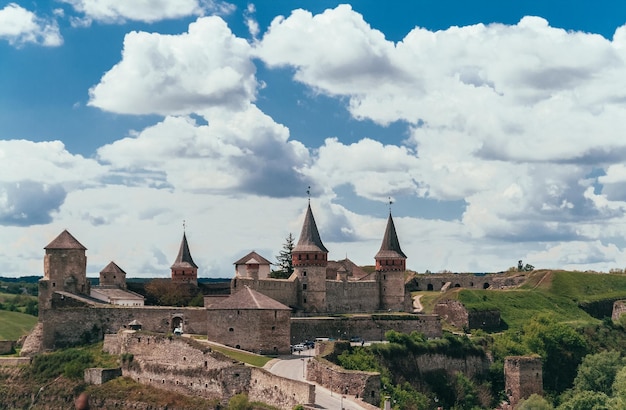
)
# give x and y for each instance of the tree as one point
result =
(534, 402)
(597, 372)
(587, 400)
(284, 259)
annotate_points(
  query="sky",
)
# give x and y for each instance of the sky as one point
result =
(492, 131)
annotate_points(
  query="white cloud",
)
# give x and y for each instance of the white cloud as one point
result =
(19, 26)
(179, 74)
(149, 11)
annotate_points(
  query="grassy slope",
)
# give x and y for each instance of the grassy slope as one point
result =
(557, 292)
(15, 324)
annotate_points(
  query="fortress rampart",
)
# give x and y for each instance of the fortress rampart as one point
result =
(437, 281)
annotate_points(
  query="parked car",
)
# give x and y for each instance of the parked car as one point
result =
(298, 348)
(309, 344)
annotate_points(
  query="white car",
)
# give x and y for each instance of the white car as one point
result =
(299, 347)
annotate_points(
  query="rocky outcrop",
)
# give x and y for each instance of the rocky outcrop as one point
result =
(34, 342)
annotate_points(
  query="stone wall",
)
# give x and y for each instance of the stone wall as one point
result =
(7, 346)
(363, 385)
(70, 326)
(283, 290)
(262, 331)
(455, 313)
(190, 367)
(435, 282)
(14, 361)
(368, 327)
(98, 375)
(619, 307)
(523, 377)
(349, 296)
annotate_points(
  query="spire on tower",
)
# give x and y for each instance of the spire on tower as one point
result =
(310, 237)
(390, 248)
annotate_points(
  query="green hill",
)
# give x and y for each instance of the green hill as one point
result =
(15, 324)
(561, 293)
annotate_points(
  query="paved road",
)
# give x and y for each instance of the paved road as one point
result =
(294, 367)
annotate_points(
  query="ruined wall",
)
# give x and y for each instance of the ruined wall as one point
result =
(455, 313)
(465, 280)
(523, 376)
(283, 290)
(619, 307)
(352, 297)
(75, 325)
(469, 365)
(7, 346)
(369, 327)
(190, 367)
(363, 385)
(255, 330)
(98, 375)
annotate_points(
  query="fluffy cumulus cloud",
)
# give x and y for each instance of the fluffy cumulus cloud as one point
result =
(28, 203)
(179, 74)
(118, 11)
(19, 26)
(242, 152)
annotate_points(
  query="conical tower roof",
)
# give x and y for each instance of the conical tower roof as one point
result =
(65, 240)
(390, 248)
(310, 240)
(184, 259)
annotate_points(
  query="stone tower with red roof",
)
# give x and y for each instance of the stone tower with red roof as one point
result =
(310, 258)
(391, 265)
(184, 269)
(64, 267)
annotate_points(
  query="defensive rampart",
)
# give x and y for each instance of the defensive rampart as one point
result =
(368, 327)
(436, 281)
(191, 367)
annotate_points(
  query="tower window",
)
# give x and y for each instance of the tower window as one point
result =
(304, 286)
(303, 273)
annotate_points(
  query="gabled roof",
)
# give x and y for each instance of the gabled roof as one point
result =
(248, 299)
(184, 259)
(309, 240)
(390, 248)
(65, 240)
(253, 255)
(113, 268)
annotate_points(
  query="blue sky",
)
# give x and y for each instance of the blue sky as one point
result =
(496, 128)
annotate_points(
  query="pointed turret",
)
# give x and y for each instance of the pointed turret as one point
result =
(390, 255)
(310, 258)
(184, 269)
(309, 240)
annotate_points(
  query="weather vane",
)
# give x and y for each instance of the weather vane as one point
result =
(184, 226)
(390, 202)
(308, 192)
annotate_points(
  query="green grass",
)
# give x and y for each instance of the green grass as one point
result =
(13, 325)
(250, 358)
(557, 292)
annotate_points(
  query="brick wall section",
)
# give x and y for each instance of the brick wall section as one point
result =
(363, 385)
(263, 331)
(98, 375)
(619, 307)
(368, 327)
(70, 326)
(189, 367)
(523, 376)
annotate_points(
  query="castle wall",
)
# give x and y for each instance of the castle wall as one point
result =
(188, 367)
(425, 282)
(392, 291)
(284, 291)
(259, 331)
(98, 375)
(363, 385)
(370, 327)
(66, 326)
(352, 297)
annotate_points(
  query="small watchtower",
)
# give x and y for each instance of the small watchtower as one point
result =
(113, 275)
(64, 267)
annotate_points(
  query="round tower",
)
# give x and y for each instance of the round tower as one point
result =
(310, 258)
(391, 265)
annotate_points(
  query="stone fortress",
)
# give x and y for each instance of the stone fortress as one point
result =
(262, 314)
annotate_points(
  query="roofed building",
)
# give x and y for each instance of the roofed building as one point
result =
(184, 269)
